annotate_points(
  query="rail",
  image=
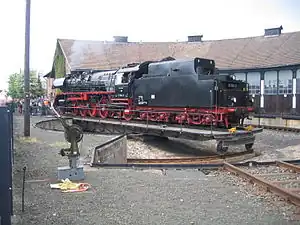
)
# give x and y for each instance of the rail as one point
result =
(278, 128)
(237, 156)
(290, 194)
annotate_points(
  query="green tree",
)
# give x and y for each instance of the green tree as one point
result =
(40, 90)
(16, 85)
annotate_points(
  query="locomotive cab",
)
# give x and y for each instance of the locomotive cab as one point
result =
(233, 95)
(121, 85)
(123, 80)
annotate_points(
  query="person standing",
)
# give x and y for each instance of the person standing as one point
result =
(20, 107)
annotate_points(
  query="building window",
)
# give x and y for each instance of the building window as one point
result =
(285, 82)
(298, 81)
(253, 79)
(240, 76)
(271, 83)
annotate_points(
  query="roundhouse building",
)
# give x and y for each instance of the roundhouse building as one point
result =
(270, 63)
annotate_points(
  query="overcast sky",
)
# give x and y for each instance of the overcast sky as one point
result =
(156, 20)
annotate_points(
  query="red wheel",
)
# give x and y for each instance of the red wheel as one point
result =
(75, 110)
(83, 110)
(93, 110)
(103, 111)
(127, 115)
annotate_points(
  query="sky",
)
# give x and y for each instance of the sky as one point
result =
(140, 20)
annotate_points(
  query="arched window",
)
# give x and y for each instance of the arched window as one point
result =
(271, 83)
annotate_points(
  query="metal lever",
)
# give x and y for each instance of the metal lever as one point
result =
(73, 135)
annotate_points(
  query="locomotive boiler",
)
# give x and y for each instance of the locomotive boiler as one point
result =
(188, 91)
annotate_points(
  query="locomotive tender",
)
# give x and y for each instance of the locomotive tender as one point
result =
(186, 91)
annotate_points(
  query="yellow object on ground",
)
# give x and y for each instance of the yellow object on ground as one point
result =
(249, 128)
(232, 130)
(69, 186)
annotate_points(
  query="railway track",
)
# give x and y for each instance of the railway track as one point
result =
(278, 128)
(230, 157)
(207, 162)
(281, 178)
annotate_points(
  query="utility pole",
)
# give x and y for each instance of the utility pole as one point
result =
(26, 72)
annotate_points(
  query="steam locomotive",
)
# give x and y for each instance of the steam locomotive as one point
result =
(186, 91)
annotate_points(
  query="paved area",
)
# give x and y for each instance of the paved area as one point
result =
(127, 196)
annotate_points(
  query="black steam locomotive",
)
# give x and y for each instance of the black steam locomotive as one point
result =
(170, 91)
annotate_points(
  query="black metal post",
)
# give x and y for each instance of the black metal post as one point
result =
(259, 109)
(23, 189)
(5, 168)
(211, 108)
(26, 72)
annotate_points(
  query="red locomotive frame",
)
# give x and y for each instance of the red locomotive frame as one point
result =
(103, 104)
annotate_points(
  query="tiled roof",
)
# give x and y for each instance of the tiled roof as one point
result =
(241, 53)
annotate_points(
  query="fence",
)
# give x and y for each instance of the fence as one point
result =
(6, 163)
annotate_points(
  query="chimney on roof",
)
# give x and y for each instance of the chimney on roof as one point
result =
(195, 38)
(122, 39)
(273, 31)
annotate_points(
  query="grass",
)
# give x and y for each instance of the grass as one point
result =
(59, 144)
(28, 139)
(31, 140)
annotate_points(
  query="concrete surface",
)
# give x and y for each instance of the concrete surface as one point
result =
(127, 196)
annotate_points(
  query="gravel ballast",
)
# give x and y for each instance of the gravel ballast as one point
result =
(128, 196)
(277, 145)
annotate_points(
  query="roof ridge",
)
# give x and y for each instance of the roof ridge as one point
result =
(164, 42)
(250, 37)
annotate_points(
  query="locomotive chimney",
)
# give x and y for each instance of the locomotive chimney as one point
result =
(123, 39)
(195, 38)
(270, 32)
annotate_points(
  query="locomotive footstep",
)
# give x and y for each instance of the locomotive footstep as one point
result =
(249, 146)
(221, 148)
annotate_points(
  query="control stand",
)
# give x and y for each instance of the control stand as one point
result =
(73, 134)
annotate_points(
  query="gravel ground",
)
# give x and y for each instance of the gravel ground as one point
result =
(130, 196)
(282, 174)
(153, 148)
(271, 201)
(265, 169)
(274, 145)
